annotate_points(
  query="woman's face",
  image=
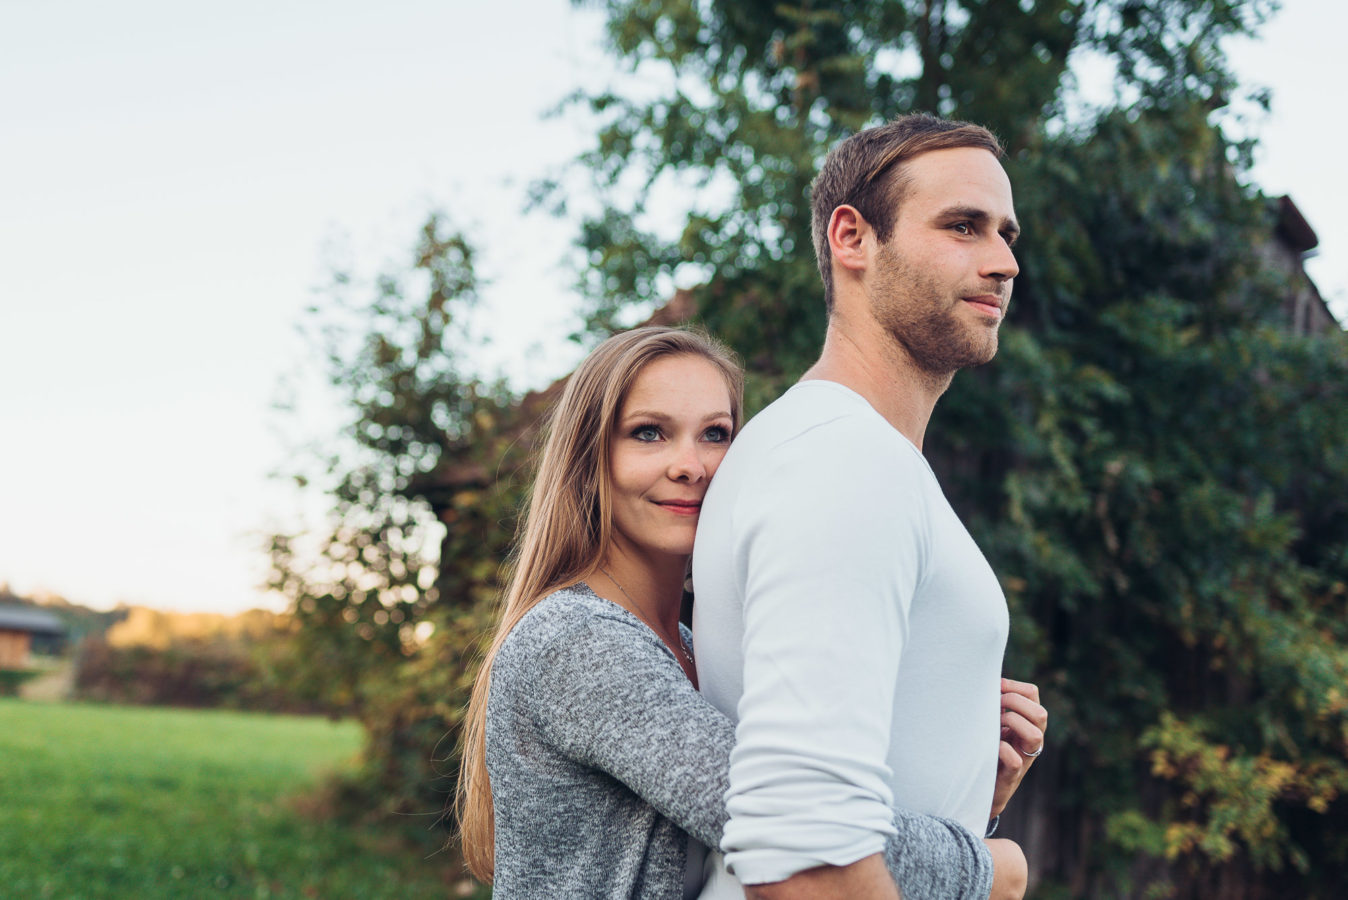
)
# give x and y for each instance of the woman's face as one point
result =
(672, 431)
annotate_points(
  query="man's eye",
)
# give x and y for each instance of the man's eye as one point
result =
(963, 227)
(646, 433)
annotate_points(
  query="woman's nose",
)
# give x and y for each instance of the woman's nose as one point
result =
(688, 464)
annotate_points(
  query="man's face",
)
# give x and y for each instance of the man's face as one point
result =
(941, 284)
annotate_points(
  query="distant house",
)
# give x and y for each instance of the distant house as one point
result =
(18, 626)
(1295, 240)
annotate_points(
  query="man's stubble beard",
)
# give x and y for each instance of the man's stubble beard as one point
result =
(925, 320)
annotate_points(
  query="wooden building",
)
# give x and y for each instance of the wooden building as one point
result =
(1294, 241)
(18, 626)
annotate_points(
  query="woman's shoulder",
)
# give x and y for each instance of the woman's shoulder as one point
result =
(561, 617)
(574, 638)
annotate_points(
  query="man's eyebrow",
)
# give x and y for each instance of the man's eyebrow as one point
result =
(1007, 226)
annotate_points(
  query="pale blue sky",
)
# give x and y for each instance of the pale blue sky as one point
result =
(170, 174)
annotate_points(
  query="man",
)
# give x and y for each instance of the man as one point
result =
(844, 615)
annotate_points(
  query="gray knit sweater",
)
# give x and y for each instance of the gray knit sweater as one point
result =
(604, 758)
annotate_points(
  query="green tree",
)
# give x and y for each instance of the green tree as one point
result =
(391, 595)
(1152, 463)
(756, 92)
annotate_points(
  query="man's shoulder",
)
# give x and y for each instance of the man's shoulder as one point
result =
(811, 408)
(819, 423)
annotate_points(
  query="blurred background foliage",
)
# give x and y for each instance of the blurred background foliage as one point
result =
(203, 660)
(1154, 463)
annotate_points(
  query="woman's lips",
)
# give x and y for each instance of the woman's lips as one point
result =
(681, 507)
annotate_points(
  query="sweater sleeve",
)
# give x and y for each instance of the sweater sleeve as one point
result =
(832, 554)
(932, 858)
(610, 695)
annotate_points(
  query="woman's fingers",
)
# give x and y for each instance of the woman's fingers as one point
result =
(1021, 733)
(1024, 719)
(1030, 708)
(1010, 759)
(1024, 688)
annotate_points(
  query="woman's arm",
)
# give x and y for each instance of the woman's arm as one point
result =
(610, 695)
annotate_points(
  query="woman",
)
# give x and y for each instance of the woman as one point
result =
(590, 759)
(590, 673)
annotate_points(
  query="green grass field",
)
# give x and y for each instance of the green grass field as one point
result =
(125, 802)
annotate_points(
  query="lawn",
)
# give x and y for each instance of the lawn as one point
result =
(127, 802)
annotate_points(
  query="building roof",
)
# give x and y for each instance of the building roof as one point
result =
(1293, 227)
(30, 619)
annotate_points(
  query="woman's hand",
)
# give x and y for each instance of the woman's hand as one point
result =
(1024, 723)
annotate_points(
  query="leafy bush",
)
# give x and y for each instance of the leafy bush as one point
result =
(192, 672)
(12, 679)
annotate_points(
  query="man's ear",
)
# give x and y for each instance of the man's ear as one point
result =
(847, 233)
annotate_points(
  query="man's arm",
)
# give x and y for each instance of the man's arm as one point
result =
(831, 549)
(1005, 879)
(1011, 873)
(869, 878)
(865, 879)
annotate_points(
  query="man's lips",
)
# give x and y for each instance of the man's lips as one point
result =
(987, 304)
(681, 507)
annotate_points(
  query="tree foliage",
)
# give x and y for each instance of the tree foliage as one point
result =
(1150, 463)
(1153, 463)
(756, 92)
(391, 595)
(156, 657)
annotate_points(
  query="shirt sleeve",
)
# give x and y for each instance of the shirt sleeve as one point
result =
(610, 695)
(831, 546)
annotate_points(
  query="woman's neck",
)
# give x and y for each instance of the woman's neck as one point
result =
(653, 583)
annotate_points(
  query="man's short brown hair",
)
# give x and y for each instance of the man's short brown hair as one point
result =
(866, 172)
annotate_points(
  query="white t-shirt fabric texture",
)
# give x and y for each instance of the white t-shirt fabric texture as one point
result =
(847, 622)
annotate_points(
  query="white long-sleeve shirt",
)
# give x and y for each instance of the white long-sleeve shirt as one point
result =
(847, 621)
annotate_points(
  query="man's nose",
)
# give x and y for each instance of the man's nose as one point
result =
(1000, 263)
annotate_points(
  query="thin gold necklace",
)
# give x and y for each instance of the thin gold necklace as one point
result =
(635, 606)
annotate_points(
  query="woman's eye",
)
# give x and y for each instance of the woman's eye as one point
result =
(717, 434)
(646, 433)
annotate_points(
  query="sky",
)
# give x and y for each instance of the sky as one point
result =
(174, 178)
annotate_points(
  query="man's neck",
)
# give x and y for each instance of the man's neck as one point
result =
(866, 359)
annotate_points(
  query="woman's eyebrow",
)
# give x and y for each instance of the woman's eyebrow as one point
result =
(664, 417)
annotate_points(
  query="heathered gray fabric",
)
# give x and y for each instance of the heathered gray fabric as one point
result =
(603, 758)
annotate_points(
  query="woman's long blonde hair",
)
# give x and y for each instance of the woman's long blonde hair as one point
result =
(567, 527)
